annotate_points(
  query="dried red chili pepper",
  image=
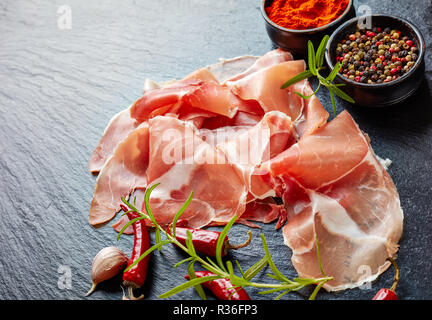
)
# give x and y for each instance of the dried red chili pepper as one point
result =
(205, 241)
(389, 294)
(223, 289)
(135, 277)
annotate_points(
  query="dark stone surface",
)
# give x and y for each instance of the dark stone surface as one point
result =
(59, 88)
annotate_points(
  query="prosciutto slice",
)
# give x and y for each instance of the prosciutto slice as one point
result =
(122, 124)
(181, 161)
(270, 59)
(335, 189)
(125, 170)
(264, 86)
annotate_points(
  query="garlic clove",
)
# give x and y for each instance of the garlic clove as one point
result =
(106, 264)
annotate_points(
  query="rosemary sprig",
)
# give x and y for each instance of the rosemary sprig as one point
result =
(221, 269)
(315, 63)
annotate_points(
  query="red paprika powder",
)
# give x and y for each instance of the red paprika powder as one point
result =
(305, 14)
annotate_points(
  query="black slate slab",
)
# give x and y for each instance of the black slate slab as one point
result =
(60, 87)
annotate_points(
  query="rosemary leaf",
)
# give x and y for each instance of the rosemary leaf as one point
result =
(255, 269)
(183, 261)
(186, 285)
(221, 240)
(333, 103)
(275, 270)
(212, 262)
(180, 212)
(192, 275)
(319, 256)
(130, 222)
(311, 58)
(341, 94)
(282, 294)
(317, 289)
(147, 252)
(240, 268)
(321, 51)
(309, 96)
(301, 76)
(230, 268)
(150, 212)
(334, 72)
(189, 244)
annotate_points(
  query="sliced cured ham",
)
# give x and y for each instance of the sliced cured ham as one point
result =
(246, 147)
(120, 126)
(125, 170)
(314, 115)
(264, 86)
(265, 211)
(342, 195)
(181, 161)
(228, 70)
(270, 59)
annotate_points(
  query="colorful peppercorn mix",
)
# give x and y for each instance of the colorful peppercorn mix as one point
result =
(376, 56)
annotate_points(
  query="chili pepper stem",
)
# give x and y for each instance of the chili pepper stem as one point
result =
(131, 294)
(396, 276)
(230, 246)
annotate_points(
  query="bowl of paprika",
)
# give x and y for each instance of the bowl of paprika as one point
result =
(290, 24)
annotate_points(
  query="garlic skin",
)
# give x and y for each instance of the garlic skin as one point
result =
(106, 264)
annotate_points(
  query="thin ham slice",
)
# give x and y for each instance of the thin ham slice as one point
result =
(264, 211)
(181, 161)
(314, 115)
(120, 126)
(125, 170)
(269, 59)
(341, 194)
(264, 86)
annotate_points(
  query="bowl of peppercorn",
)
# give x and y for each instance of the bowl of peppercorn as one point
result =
(290, 24)
(381, 59)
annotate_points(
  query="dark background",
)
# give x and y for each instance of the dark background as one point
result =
(59, 88)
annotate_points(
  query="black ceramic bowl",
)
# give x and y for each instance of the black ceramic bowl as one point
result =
(296, 41)
(384, 94)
